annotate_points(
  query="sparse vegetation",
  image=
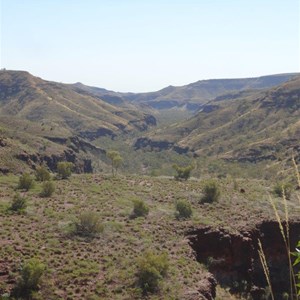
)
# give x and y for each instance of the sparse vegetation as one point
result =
(48, 188)
(89, 224)
(18, 203)
(76, 255)
(64, 170)
(183, 172)
(211, 192)
(281, 189)
(152, 268)
(140, 208)
(30, 278)
(26, 182)
(285, 231)
(183, 209)
(42, 174)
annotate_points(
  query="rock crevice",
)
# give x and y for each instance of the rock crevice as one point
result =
(234, 261)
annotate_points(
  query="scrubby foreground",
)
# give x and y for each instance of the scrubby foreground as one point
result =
(105, 264)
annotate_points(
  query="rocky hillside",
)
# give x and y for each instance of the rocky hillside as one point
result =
(42, 119)
(250, 126)
(189, 97)
(194, 95)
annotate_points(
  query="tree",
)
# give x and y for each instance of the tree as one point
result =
(116, 160)
(64, 169)
(183, 172)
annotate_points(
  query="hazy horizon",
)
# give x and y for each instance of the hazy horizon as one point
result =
(129, 46)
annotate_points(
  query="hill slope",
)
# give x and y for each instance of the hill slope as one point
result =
(261, 125)
(35, 113)
(194, 95)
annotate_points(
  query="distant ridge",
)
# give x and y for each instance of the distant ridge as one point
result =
(249, 126)
(191, 96)
(194, 95)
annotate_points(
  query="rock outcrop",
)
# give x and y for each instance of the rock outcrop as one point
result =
(234, 261)
(146, 143)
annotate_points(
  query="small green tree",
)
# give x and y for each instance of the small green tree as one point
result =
(152, 268)
(183, 172)
(26, 182)
(64, 169)
(30, 278)
(18, 203)
(48, 189)
(183, 209)
(116, 160)
(42, 174)
(211, 192)
(140, 208)
(89, 224)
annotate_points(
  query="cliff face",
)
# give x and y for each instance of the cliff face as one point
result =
(73, 149)
(233, 257)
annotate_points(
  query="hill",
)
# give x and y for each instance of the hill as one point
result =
(245, 127)
(194, 95)
(38, 114)
(188, 97)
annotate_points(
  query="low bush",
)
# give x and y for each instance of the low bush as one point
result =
(183, 209)
(183, 172)
(88, 224)
(26, 182)
(211, 192)
(18, 203)
(64, 169)
(48, 189)
(140, 208)
(42, 174)
(152, 268)
(30, 278)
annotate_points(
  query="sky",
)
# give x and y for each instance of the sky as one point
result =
(142, 46)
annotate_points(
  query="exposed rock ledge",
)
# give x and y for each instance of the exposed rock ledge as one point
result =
(144, 143)
(233, 257)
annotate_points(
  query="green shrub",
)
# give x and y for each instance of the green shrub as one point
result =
(88, 224)
(183, 209)
(18, 203)
(30, 278)
(183, 172)
(140, 208)
(26, 182)
(48, 189)
(279, 187)
(64, 169)
(211, 192)
(152, 268)
(42, 174)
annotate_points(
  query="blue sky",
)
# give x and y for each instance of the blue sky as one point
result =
(136, 45)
